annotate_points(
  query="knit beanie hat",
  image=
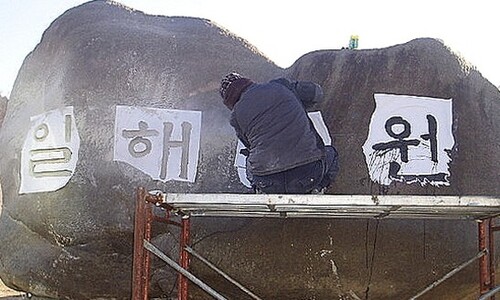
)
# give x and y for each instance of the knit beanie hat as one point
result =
(226, 82)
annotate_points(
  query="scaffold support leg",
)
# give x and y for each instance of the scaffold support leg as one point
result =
(141, 261)
(486, 241)
(184, 256)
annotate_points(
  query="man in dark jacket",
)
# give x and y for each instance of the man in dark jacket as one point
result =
(284, 152)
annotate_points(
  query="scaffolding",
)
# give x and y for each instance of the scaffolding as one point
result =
(483, 209)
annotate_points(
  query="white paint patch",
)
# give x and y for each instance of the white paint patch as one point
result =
(409, 140)
(353, 295)
(319, 125)
(334, 268)
(162, 143)
(50, 151)
(240, 164)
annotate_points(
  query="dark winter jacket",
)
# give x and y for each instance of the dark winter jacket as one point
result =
(273, 124)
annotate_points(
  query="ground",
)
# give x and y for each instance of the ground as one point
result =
(7, 293)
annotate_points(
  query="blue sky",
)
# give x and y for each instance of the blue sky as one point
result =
(284, 30)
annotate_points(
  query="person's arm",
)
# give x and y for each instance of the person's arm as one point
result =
(240, 136)
(308, 92)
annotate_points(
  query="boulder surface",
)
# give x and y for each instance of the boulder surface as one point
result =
(3, 108)
(75, 242)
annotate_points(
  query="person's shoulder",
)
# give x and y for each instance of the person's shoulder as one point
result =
(267, 89)
(262, 87)
(278, 84)
(283, 81)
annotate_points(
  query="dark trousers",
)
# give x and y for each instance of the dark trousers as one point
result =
(309, 178)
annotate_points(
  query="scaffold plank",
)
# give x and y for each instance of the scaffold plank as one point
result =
(339, 206)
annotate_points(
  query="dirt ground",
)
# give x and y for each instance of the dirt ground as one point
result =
(7, 293)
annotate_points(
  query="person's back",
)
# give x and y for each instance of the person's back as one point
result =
(284, 152)
(276, 129)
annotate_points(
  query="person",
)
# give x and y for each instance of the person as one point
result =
(285, 154)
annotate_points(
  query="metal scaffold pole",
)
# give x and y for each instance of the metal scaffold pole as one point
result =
(483, 209)
(184, 256)
(183, 271)
(141, 261)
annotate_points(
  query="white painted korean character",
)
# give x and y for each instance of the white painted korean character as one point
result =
(50, 151)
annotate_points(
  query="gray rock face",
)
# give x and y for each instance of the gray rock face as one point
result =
(422, 67)
(3, 108)
(76, 242)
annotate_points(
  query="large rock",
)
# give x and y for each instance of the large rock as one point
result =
(3, 108)
(76, 242)
(423, 67)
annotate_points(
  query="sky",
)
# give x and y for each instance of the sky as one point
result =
(284, 30)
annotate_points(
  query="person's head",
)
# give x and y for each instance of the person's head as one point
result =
(231, 87)
(227, 81)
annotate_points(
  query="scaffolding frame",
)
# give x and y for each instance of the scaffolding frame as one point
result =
(483, 209)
